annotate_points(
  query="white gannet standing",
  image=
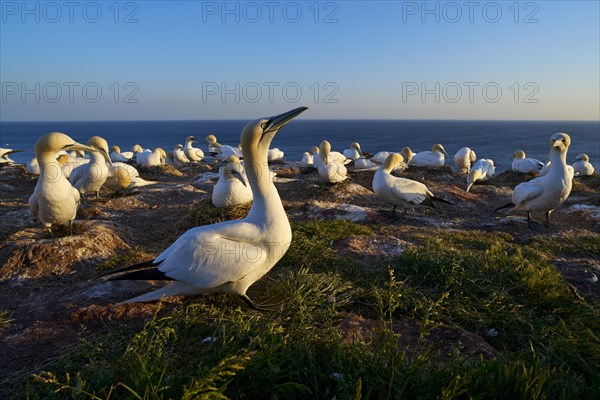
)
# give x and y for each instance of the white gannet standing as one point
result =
(117, 156)
(402, 192)
(54, 201)
(231, 189)
(123, 177)
(157, 157)
(582, 165)
(222, 151)
(434, 158)
(275, 155)
(525, 165)
(307, 158)
(179, 157)
(480, 171)
(192, 153)
(548, 192)
(4, 156)
(91, 176)
(202, 260)
(463, 159)
(330, 171)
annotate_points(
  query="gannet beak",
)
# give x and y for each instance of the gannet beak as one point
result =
(278, 121)
(444, 151)
(106, 156)
(79, 147)
(13, 152)
(238, 176)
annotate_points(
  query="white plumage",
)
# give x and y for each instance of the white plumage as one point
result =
(123, 177)
(330, 171)
(117, 156)
(232, 188)
(91, 176)
(157, 157)
(582, 166)
(191, 152)
(464, 158)
(434, 158)
(307, 158)
(179, 157)
(275, 155)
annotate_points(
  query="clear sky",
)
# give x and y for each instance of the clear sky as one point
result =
(137, 60)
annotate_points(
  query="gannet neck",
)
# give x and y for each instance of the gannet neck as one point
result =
(266, 203)
(97, 158)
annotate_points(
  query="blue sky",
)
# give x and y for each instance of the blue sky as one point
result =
(344, 59)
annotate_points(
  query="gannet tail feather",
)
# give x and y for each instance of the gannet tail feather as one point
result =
(174, 289)
(150, 274)
(139, 182)
(507, 205)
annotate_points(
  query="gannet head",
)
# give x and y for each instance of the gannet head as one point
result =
(407, 153)
(211, 139)
(101, 145)
(161, 152)
(314, 150)
(233, 168)
(583, 157)
(137, 148)
(56, 141)
(116, 149)
(473, 176)
(324, 150)
(440, 148)
(392, 162)
(257, 135)
(190, 139)
(560, 141)
(519, 154)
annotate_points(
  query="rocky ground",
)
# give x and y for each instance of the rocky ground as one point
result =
(51, 297)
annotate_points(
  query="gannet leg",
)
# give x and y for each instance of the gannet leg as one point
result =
(50, 232)
(547, 224)
(266, 306)
(97, 195)
(532, 224)
(71, 228)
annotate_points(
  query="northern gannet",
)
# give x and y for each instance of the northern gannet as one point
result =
(73, 161)
(582, 165)
(117, 156)
(4, 156)
(402, 192)
(329, 171)
(54, 201)
(123, 177)
(191, 152)
(408, 154)
(157, 157)
(548, 192)
(354, 152)
(433, 158)
(480, 171)
(179, 156)
(232, 255)
(525, 165)
(231, 189)
(33, 167)
(333, 156)
(91, 176)
(463, 159)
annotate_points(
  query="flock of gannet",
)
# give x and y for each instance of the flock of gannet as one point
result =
(230, 256)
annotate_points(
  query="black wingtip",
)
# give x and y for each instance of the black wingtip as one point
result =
(142, 275)
(141, 266)
(440, 200)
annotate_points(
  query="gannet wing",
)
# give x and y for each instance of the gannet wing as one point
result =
(410, 191)
(77, 174)
(526, 191)
(205, 258)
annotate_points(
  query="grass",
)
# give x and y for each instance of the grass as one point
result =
(547, 341)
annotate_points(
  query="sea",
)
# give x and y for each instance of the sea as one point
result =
(497, 140)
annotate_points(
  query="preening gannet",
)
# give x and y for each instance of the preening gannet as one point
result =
(480, 171)
(54, 201)
(525, 165)
(4, 156)
(231, 189)
(157, 157)
(117, 156)
(463, 159)
(329, 171)
(354, 152)
(123, 177)
(408, 154)
(582, 166)
(192, 153)
(333, 156)
(433, 158)
(228, 256)
(402, 192)
(179, 157)
(548, 192)
(91, 176)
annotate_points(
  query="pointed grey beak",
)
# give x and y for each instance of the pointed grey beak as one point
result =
(106, 157)
(278, 121)
(79, 147)
(238, 176)
(445, 153)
